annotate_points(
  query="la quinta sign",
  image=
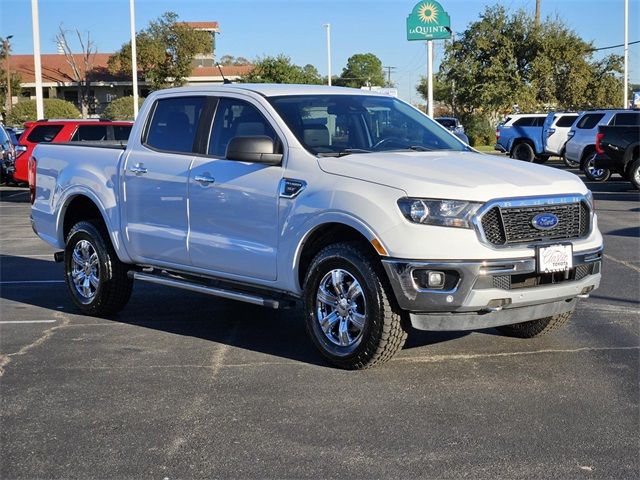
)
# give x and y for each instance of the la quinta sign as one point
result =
(428, 21)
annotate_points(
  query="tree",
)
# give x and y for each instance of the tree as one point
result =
(165, 50)
(505, 59)
(81, 68)
(363, 69)
(280, 69)
(53, 108)
(16, 82)
(121, 108)
(230, 60)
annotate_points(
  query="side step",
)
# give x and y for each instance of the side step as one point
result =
(253, 298)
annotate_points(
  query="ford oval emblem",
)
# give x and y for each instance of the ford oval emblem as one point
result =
(544, 221)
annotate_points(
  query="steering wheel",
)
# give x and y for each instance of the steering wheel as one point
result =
(390, 140)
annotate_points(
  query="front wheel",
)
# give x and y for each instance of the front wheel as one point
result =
(523, 151)
(592, 173)
(535, 328)
(349, 313)
(97, 280)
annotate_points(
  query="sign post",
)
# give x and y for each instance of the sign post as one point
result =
(428, 21)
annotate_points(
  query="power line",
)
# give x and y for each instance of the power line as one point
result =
(613, 46)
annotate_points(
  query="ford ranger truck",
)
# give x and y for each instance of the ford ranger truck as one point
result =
(353, 204)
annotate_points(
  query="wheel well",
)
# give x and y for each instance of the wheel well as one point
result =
(325, 235)
(588, 150)
(80, 208)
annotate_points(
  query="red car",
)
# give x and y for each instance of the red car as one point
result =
(59, 131)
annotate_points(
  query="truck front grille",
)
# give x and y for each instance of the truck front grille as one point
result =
(513, 225)
(529, 280)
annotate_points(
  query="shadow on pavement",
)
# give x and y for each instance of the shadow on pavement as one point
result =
(280, 333)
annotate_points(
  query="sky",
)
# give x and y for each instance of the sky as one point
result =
(256, 28)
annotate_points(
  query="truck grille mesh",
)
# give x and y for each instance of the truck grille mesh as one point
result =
(507, 226)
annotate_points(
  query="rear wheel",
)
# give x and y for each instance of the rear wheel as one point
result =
(350, 316)
(523, 151)
(633, 173)
(535, 328)
(97, 280)
(592, 173)
(568, 163)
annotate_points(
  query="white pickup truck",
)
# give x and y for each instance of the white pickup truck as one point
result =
(357, 205)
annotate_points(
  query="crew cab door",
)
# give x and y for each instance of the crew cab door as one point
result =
(155, 182)
(233, 205)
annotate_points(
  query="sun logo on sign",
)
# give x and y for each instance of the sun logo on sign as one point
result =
(427, 13)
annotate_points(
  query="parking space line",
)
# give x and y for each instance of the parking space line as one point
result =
(3, 322)
(622, 262)
(26, 282)
(14, 195)
(40, 255)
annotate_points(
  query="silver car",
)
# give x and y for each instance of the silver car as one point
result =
(581, 145)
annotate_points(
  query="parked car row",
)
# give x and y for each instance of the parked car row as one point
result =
(15, 161)
(572, 136)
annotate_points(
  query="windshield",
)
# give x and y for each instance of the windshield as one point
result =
(449, 123)
(330, 125)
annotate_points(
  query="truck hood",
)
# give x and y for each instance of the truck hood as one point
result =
(454, 175)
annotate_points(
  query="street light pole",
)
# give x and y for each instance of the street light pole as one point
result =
(328, 27)
(6, 47)
(626, 54)
(36, 58)
(134, 59)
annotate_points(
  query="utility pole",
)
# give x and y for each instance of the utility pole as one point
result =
(538, 12)
(134, 59)
(430, 78)
(36, 58)
(328, 27)
(389, 74)
(626, 54)
(6, 48)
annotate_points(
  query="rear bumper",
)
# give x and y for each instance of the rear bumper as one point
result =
(490, 293)
(603, 160)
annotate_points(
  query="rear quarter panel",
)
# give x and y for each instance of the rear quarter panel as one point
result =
(65, 171)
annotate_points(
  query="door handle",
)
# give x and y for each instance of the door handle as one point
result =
(204, 180)
(138, 169)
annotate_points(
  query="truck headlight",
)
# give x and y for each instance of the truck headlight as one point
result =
(445, 213)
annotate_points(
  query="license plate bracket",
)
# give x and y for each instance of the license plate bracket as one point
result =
(555, 258)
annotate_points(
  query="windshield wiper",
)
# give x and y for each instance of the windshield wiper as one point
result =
(342, 153)
(420, 148)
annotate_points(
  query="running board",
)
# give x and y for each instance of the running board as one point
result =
(216, 292)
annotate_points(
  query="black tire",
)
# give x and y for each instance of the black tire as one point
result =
(633, 173)
(594, 174)
(113, 287)
(542, 159)
(535, 328)
(523, 151)
(382, 334)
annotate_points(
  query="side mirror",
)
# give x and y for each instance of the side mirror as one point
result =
(258, 149)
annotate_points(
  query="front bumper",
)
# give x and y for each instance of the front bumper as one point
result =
(491, 293)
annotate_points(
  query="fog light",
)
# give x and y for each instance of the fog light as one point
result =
(435, 279)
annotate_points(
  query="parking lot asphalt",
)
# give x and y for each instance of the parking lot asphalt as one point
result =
(181, 385)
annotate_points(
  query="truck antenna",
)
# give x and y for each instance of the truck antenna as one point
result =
(224, 80)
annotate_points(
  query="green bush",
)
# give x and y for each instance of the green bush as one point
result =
(479, 129)
(121, 108)
(53, 108)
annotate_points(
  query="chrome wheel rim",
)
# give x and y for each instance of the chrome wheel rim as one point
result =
(341, 308)
(593, 171)
(636, 175)
(85, 270)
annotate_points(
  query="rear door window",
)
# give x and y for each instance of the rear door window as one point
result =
(631, 118)
(566, 120)
(92, 133)
(529, 122)
(44, 133)
(589, 121)
(173, 126)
